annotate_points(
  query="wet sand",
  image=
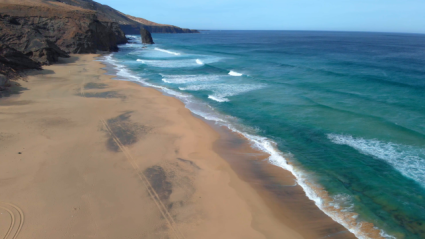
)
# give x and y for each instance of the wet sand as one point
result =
(85, 156)
(277, 187)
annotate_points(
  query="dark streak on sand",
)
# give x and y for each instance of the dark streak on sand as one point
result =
(106, 94)
(93, 85)
(125, 130)
(158, 179)
(189, 162)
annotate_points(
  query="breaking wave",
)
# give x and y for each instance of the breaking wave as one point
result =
(338, 207)
(167, 51)
(234, 73)
(222, 91)
(408, 160)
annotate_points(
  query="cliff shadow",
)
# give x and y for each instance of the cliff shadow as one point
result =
(71, 59)
(39, 72)
(14, 89)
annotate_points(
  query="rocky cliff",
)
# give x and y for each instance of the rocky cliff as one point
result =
(129, 24)
(12, 62)
(71, 30)
(41, 31)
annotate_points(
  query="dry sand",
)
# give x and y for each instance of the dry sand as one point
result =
(85, 156)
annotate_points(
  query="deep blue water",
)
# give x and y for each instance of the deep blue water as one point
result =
(346, 109)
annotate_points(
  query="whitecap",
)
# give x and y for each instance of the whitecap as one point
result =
(222, 91)
(167, 51)
(184, 79)
(218, 99)
(169, 63)
(234, 73)
(199, 62)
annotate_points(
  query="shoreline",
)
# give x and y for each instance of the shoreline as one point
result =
(336, 221)
(90, 157)
(277, 187)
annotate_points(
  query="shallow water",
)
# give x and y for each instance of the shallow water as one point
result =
(345, 109)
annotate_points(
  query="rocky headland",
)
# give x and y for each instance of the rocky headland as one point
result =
(129, 24)
(38, 32)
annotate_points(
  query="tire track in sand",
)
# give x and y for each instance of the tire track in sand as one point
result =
(152, 193)
(16, 219)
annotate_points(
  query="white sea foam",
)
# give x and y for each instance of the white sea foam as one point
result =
(222, 91)
(409, 160)
(199, 62)
(169, 63)
(261, 143)
(218, 99)
(184, 79)
(167, 51)
(234, 73)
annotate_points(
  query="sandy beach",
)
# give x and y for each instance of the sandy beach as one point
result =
(86, 156)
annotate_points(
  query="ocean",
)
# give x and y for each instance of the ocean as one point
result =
(343, 111)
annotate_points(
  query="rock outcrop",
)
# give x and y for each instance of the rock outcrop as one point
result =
(16, 60)
(12, 62)
(119, 34)
(29, 40)
(146, 37)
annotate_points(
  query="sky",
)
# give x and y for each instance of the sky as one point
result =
(327, 15)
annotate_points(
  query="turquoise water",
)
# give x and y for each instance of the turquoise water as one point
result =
(347, 110)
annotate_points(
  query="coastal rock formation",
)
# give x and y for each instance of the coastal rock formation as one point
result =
(38, 32)
(26, 38)
(129, 24)
(119, 34)
(16, 60)
(12, 62)
(154, 27)
(72, 30)
(146, 36)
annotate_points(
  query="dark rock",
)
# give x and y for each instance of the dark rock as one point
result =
(71, 30)
(119, 34)
(146, 36)
(28, 40)
(16, 60)
(12, 62)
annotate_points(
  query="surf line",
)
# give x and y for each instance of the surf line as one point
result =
(167, 51)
